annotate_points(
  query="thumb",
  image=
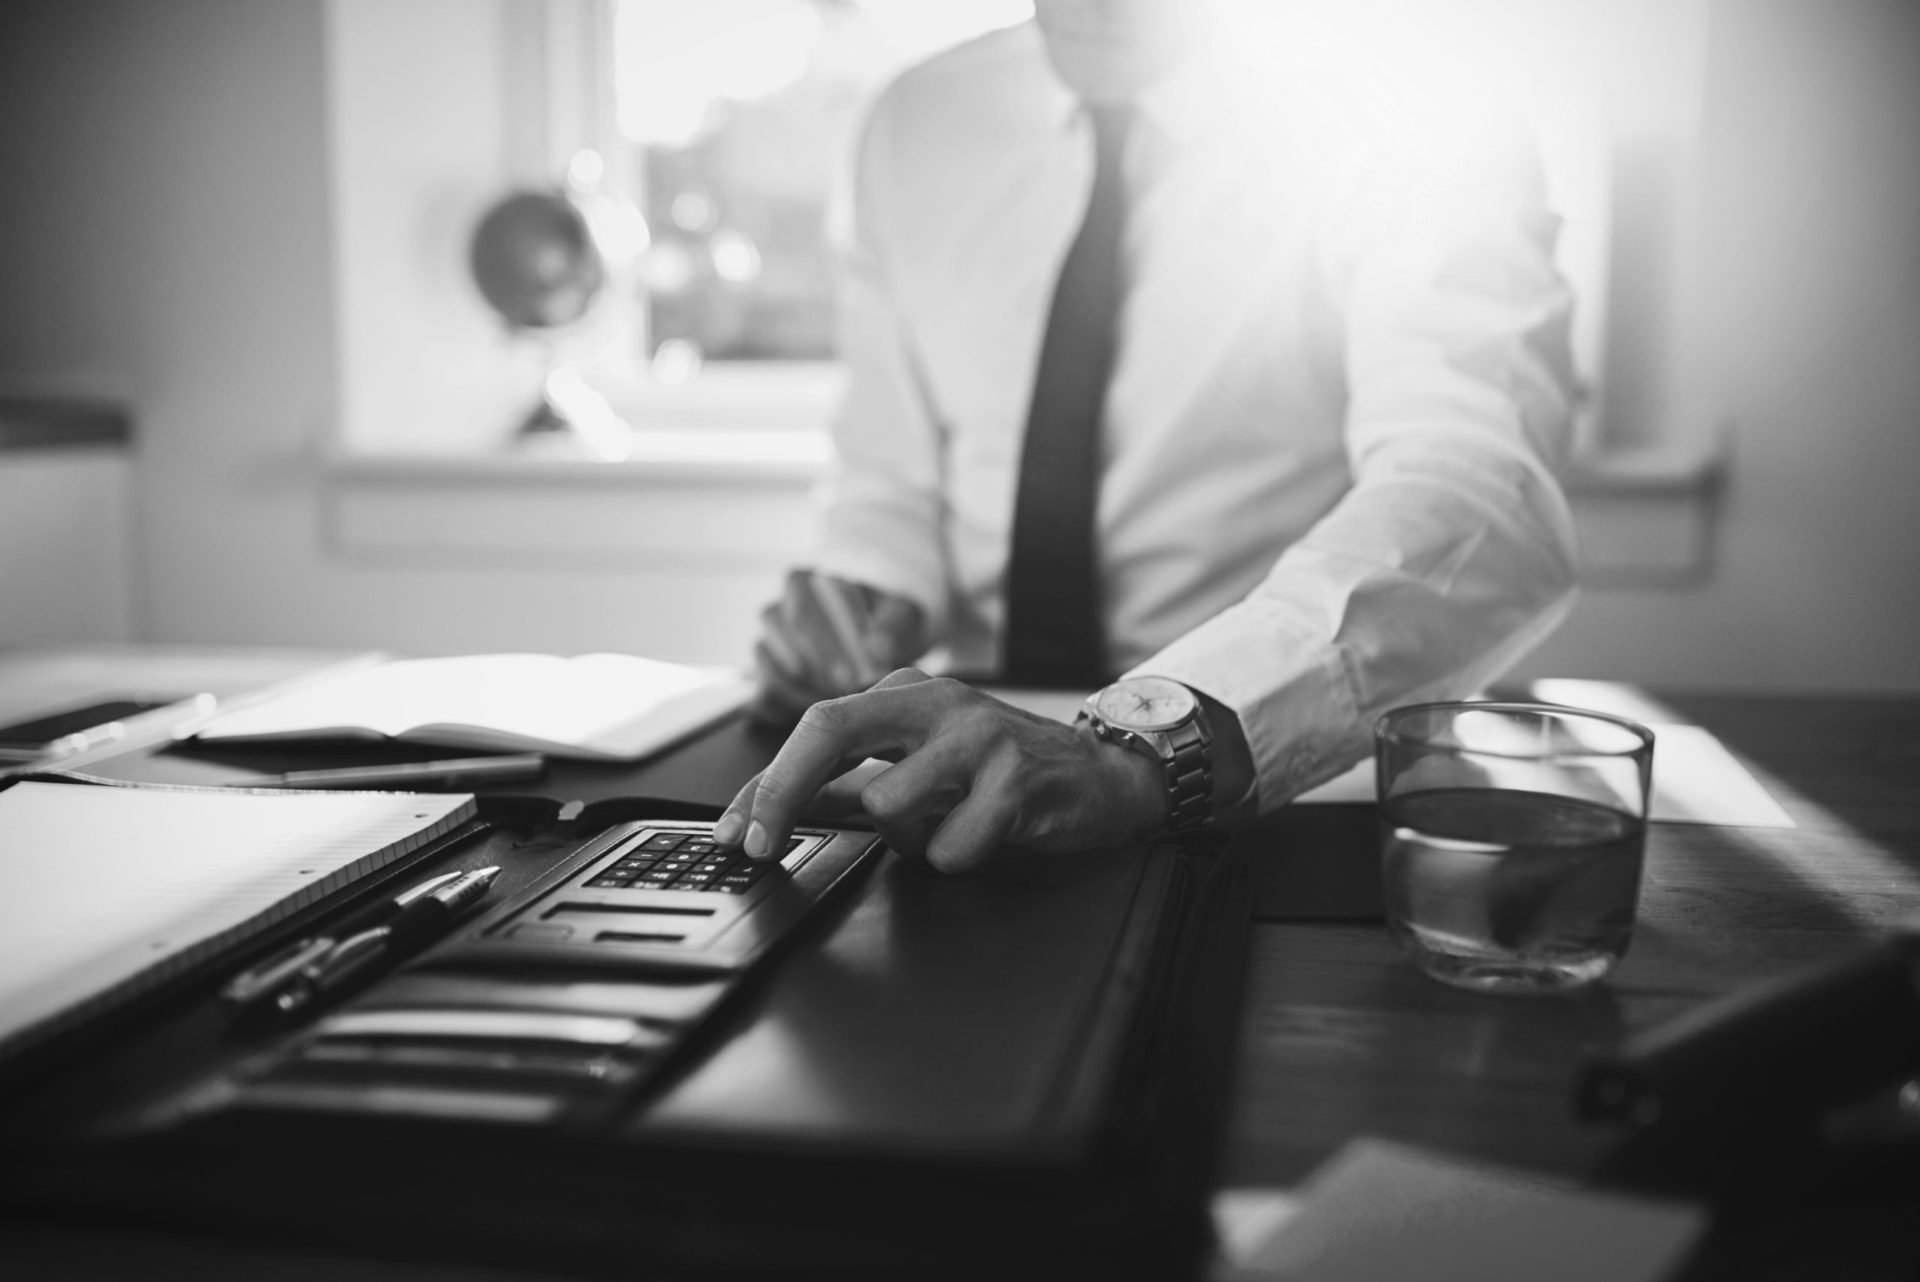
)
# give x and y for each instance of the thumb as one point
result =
(895, 631)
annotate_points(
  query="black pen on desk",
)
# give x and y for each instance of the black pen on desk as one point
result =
(256, 983)
(457, 770)
(357, 956)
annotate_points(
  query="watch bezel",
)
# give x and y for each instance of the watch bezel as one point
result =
(1099, 704)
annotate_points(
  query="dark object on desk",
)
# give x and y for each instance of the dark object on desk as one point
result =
(358, 956)
(28, 739)
(263, 980)
(1773, 1056)
(1016, 1072)
(1318, 862)
(455, 772)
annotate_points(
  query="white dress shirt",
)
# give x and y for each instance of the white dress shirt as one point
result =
(1341, 388)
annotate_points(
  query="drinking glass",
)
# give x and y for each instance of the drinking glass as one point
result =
(1512, 836)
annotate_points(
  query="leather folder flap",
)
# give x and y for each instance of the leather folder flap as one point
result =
(942, 1016)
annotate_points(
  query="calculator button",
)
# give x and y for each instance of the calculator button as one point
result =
(663, 841)
(608, 883)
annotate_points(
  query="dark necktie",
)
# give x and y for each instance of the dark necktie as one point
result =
(1054, 633)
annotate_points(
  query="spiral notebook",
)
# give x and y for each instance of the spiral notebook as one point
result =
(108, 892)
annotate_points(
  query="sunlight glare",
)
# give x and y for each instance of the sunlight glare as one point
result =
(678, 62)
(1437, 72)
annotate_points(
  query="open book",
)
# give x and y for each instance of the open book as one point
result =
(594, 707)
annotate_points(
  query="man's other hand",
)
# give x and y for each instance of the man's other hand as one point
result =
(967, 775)
(827, 637)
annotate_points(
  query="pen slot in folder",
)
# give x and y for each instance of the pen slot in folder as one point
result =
(658, 1003)
(435, 1060)
(493, 1025)
(637, 910)
(364, 1061)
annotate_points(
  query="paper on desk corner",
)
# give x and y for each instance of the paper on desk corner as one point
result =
(1383, 1210)
(1245, 1220)
(1695, 780)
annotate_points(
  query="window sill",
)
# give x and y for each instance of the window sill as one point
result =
(658, 458)
(1647, 516)
(735, 499)
(696, 501)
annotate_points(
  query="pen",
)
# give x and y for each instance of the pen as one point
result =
(357, 956)
(257, 982)
(463, 770)
(831, 595)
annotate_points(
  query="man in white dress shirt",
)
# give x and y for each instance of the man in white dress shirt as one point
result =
(1337, 394)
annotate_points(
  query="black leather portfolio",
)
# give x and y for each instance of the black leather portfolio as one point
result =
(862, 1068)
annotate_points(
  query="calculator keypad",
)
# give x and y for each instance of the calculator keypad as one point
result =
(684, 861)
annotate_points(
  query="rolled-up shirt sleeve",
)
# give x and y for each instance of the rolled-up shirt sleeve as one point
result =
(881, 500)
(1453, 552)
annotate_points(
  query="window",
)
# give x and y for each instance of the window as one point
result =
(726, 123)
(722, 122)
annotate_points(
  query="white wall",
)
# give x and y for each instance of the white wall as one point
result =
(1806, 336)
(167, 237)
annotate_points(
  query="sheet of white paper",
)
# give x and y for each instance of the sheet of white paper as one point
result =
(1695, 778)
(1245, 1220)
(106, 887)
(1383, 1210)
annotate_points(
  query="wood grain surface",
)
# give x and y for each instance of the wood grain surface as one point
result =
(1342, 1038)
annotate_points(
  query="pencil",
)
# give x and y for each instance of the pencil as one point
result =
(831, 594)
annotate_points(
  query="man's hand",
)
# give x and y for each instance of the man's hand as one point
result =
(826, 637)
(968, 774)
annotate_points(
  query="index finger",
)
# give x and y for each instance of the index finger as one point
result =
(893, 719)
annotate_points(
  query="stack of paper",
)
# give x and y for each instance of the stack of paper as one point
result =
(106, 892)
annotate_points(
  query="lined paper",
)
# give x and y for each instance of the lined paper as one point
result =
(106, 892)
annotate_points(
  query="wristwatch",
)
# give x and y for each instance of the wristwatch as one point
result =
(1163, 719)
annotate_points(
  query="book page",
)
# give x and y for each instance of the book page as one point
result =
(106, 890)
(607, 704)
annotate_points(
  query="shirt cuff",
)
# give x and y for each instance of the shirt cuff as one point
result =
(1289, 689)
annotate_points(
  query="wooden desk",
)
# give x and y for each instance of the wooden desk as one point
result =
(1341, 1039)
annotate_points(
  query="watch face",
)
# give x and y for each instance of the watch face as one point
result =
(1144, 703)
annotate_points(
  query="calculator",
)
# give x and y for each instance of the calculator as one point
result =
(664, 897)
(573, 996)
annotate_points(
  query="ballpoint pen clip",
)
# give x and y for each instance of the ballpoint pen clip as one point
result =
(360, 952)
(345, 959)
(426, 887)
(277, 971)
(287, 965)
